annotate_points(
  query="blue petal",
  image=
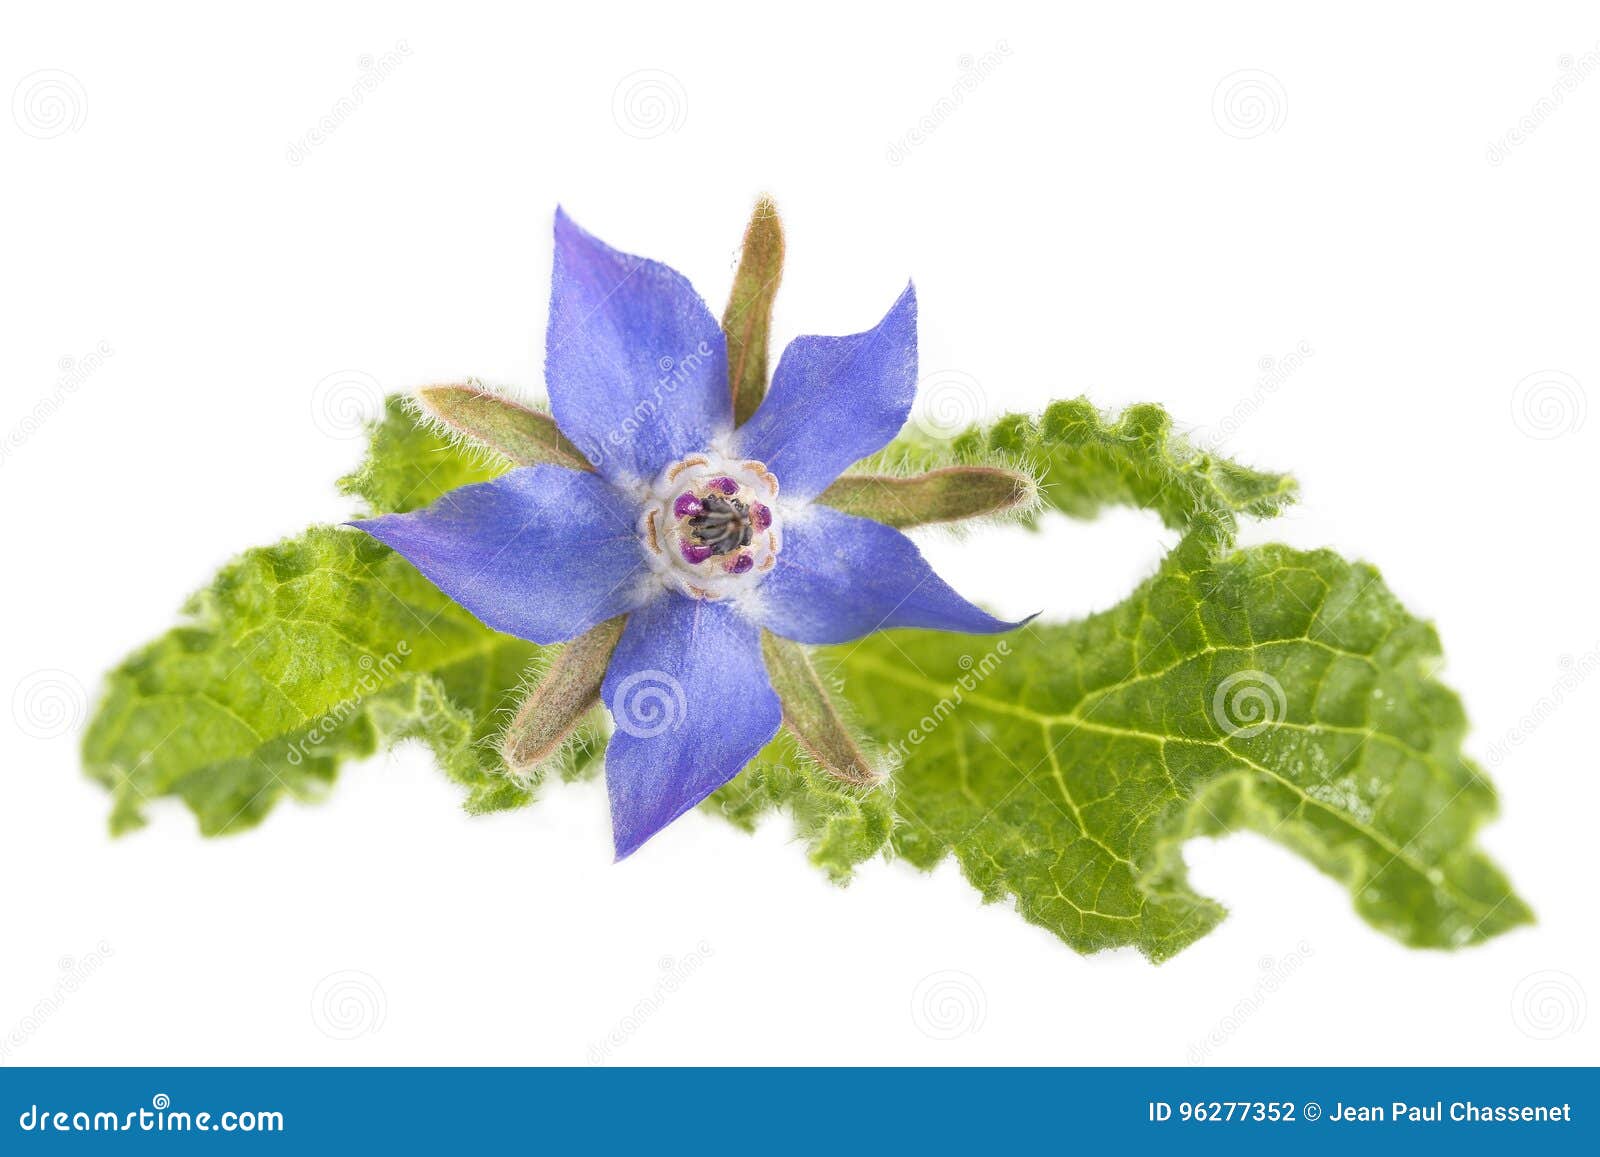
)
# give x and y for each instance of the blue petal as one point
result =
(636, 366)
(543, 552)
(840, 577)
(688, 692)
(834, 400)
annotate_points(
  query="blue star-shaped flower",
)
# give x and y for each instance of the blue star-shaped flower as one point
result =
(702, 534)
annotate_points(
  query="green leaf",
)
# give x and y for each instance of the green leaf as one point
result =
(842, 825)
(748, 317)
(1063, 766)
(322, 648)
(1275, 690)
(298, 656)
(408, 464)
(1085, 461)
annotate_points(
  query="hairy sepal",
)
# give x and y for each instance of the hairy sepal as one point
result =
(748, 318)
(522, 435)
(562, 700)
(947, 494)
(812, 716)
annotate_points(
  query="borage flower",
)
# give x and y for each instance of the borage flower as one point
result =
(701, 534)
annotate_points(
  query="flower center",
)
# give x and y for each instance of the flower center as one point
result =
(723, 524)
(709, 527)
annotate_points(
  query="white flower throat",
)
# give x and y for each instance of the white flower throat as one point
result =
(709, 525)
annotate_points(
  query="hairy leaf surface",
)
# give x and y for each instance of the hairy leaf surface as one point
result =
(1086, 461)
(1274, 690)
(298, 656)
(841, 825)
(1062, 767)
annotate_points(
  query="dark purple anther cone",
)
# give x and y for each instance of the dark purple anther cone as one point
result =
(686, 505)
(696, 554)
(741, 564)
(760, 516)
(726, 485)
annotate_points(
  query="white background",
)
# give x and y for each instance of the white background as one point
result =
(1093, 217)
